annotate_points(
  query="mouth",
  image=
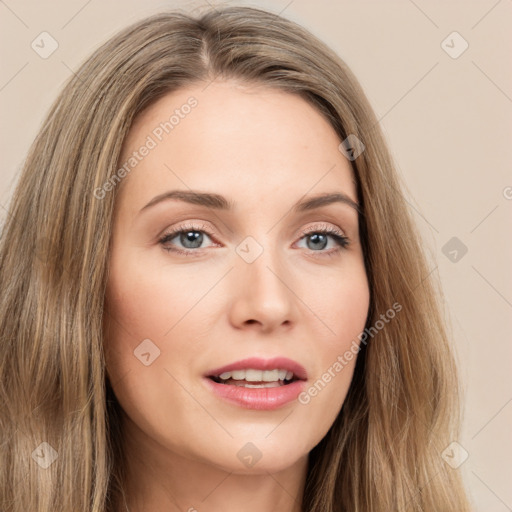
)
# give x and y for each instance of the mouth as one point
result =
(253, 378)
(257, 383)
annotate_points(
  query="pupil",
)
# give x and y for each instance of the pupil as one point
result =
(315, 238)
(192, 237)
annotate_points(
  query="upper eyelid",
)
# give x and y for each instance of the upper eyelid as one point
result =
(321, 226)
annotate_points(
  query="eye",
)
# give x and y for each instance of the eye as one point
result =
(191, 238)
(317, 239)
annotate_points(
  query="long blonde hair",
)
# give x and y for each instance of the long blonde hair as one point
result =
(382, 453)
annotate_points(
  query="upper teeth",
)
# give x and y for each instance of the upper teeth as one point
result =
(251, 375)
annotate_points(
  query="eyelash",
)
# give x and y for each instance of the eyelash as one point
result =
(334, 233)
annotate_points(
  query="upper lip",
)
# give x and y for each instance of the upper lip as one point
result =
(256, 363)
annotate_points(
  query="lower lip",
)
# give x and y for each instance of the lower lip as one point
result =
(263, 399)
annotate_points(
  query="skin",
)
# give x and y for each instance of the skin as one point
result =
(264, 150)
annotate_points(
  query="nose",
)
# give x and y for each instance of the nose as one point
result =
(263, 296)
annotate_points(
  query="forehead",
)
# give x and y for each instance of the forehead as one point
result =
(250, 142)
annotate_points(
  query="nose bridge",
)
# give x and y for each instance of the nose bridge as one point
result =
(263, 293)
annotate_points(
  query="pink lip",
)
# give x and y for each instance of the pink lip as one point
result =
(259, 398)
(281, 363)
(265, 399)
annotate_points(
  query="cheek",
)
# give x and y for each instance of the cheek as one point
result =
(149, 348)
(342, 308)
(350, 303)
(339, 304)
(151, 300)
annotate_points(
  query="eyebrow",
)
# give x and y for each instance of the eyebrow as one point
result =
(219, 202)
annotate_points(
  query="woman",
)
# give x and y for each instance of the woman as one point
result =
(213, 296)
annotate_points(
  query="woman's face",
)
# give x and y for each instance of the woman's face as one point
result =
(252, 276)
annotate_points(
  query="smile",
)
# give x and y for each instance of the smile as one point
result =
(252, 378)
(258, 384)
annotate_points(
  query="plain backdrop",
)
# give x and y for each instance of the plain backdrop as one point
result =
(444, 101)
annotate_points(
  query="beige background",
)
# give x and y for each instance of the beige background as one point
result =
(448, 122)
